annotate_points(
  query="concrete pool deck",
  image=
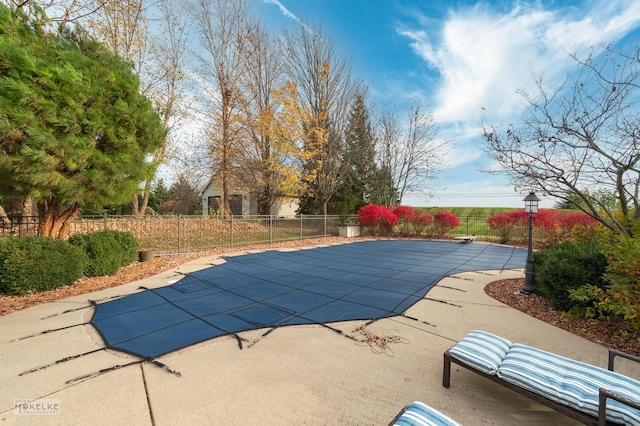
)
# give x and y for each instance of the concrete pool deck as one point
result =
(302, 375)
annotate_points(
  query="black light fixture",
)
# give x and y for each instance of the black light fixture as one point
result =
(531, 207)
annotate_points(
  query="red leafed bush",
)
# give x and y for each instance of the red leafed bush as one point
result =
(421, 221)
(405, 215)
(550, 226)
(512, 218)
(377, 218)
(444, 221)
(404, 212)
(508, 224)
(579, 227)
(570, 220)
(547, 219)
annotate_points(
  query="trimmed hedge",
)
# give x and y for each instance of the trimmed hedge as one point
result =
(568, 266)
(106, 251)
(33, 264)
(129, 246)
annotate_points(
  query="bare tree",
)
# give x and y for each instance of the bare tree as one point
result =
(269, 154)
(325, 92)
(225, 31)
(60, 12)
(387, 156)
(165, 82)
(580, 142)
(409, 154)
(125, 26)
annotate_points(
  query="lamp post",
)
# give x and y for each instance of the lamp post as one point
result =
(531, 207)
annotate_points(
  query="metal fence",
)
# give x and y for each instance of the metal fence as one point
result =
(183, 234)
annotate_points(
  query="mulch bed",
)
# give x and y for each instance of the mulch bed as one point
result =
(607, 333)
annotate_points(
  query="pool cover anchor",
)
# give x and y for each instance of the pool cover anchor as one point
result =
(103, 371)
(119, 366)
(59, 361)
(164, 366)
(92, 304)
(442, 301)
(257, 339)
(48, 331)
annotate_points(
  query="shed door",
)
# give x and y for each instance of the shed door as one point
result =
(235, 204)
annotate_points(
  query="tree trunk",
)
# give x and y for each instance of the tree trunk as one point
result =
(135, 211)
(324, 204)
(55, 219)
(226, 150)
(145, 198)
(139, 211)
(4, 219)
(27, 207)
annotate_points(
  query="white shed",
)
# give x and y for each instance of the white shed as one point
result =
(242, 204)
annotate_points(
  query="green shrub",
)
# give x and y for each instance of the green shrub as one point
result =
(33, 264)
(129, 246)
(565, 267)
(104, 251)
(621, 297)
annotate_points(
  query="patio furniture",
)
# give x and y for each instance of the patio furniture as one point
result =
(420, 414)
(466, 238)
(589, 394)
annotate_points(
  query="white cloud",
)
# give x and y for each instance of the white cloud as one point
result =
(461, 154)
(483, 56)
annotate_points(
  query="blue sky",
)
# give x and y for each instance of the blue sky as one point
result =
(467, 59)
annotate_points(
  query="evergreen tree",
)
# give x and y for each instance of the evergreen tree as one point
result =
(384, 192)
(187, 198)
(359, 160)
(158, 195)
(348, 197)
(74, 129)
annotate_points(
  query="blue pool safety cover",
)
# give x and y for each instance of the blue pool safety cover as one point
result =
(357, 281)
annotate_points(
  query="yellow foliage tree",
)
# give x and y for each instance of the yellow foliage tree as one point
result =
(325, 92)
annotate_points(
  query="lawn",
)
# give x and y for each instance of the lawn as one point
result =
(462, 212)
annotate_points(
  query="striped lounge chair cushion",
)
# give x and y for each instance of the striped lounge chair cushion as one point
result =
(481, 350)
(570, 382)
(420, 414)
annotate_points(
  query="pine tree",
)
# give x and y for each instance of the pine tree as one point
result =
(74, 130)
(354, 190)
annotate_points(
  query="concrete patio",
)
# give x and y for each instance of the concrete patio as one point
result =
(297, 375)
